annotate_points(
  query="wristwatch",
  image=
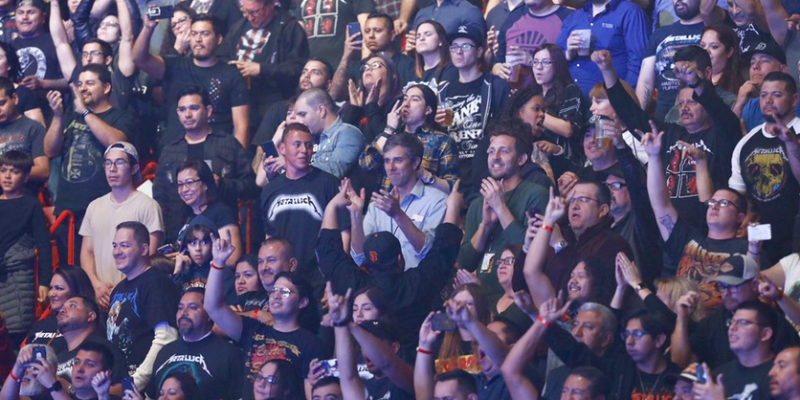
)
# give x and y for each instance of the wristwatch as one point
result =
(560, 246)
(57, 386)
(86, 111)
(639, 286)
(429, 179)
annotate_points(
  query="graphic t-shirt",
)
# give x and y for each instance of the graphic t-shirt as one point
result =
(23, 134)
(467, 127)
(664, 42)
(752, 38)
(252, 42)
(528, 32)
(137, 307)
(745, 383)
(45, 331)
(325, 22)
(37, 56)
(66, 359)
(655, 386)
(258, 300)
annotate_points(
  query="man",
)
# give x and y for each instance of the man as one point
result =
(378, 37)
(292, 205)
(8, 25)
(201, 141)
(452, 14)
(269, 47)
(337, 144)
(212, 361)
(617, 26)
(763, 61)
(33, 377)
(701, 60)
(124, 203)
(275, 255)
(326, 22)
(498, 218)
(766, 163)
(37, 55)
(476, 98)
(412, 210)
(455, 384)
(527, 27)
(317, 73)
(140, 316)
(203, 69)
(283, 339)
(80, 135)
(18, 132)
(758, 23)
(784, 381)
(93, 372)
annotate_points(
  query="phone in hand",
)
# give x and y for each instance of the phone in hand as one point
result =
(127, 384)
(533, 211)
(442, 323)
(168, 248)
(700, 374)
(270, 150)
(354, 28)
(331, 367)
(155, 12)
(39, 352)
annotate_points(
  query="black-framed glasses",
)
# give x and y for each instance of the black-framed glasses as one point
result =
(636, 334)
(93, 53)
(119, 163)
(505, 261)
(721, 203)
(271, 379)
(371, 66)
(730, 288)
(544, 63)
(615, 185)
(281, 291)
(464, 47)
(582, 200)
(180, 21)
(190, 183)
(253, 13)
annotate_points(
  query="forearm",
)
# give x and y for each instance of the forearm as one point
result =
(659, 198)
(100, 8)
(241, 124)
(790, 307)
(339, 85)
(539, 285)
(357, 237)
(351, 383)
(619, 296)
(105, 133)
(407, 9)
(126, 40)
(518, 358)
(679, 343)
(382, 356)
(413, 234)
(423, 376)
(794, 157)
(142, 58)
(164, 334)
(644, 88)
(88, 264)
(55, 84)
(489, 342)
(705, 185)
(480, 238)
(54, 139)
(10, 389)
(558, 126)
(40, 171)
(776, 17)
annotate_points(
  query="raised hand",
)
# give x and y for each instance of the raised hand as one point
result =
(356, 96)
(629, 270)
(566, 182)
(552, 310)
(691, 152)
(374, 93)
(651, 141)
(686, 72)
(524, 302)
(342, 199)
(493, 193)
(491, 40)
(411, 41)
(337, 305)
(687, 304)
(221, 249)
(393, 118)
(356, 199)
(464, 277)
(458, 312)
(602, 58)
(768, 289)
(427, 336)
(80, 106)
(101, 382)
(352, 43)
(387, 202)
(56, 103)
(556, 208)
(784, 133)
(315, 371)
(712, 389)
(182, 260)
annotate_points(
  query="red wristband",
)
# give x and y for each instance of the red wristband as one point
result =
(547, 228)
(14, 377)
(255, 313)
(540, 319)
(780, 296)
(217, 267)
(423, 351)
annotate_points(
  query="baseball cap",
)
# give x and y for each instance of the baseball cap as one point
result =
(468, 32)
(736, 269)
(126, 148)
(689, 373)
(768, 47)
(40, 4)
(381, 250)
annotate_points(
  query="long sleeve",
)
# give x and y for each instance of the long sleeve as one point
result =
(340, 152)
(726, 123)
(334, 264)
(627, 110)
(436, 269)
(293, 54)
(637, 33)
(164, 334)
(242, 182)
(376, 120)
(571, 353)
(81, 23)
(468, 257)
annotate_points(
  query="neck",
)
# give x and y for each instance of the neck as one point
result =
(208, 62)
(12, 195)
(546, 87)
(122, 193)
(198, 135)
(653, 365)
(137, 270)
(785, 121)
(431, 59)
(31, 35)
(329, 121)
(200, 207)
(755, 357)
(196, 337)
(468, 74)
(694, 128)
(692, 21)
(293, 174)
(101, 106)
(721, 233)
(412, 127)
(604, 162)
(285, 324)
(542, 10)
(76, 337)
(620, 214)
(466, 336)
(513, 4)
(511, 182)
(388, 52)
(86, 393)
(598, 7)
(406, 189)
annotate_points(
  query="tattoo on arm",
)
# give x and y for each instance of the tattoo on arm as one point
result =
(667, 222)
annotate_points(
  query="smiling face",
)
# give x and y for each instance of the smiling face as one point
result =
(504, 162)
(579, 286)
(602, 106)
(59, 292)
(246, 278)
(191, 189)
(91, 89)
(30, 21)
(400, 167)
(128, 253)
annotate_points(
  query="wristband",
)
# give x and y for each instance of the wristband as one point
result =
(86, 112)
(547, 228)
(540, 319)
(255, 313)
(423, 351)
(14, 377)
(341, 324)
(217, 267)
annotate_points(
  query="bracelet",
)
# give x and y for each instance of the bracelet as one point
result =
(547, 228)
(86, 112)
(217, 267)
(423, 351)
(341, 324)
(255, 313)
(540, 319)
(14, 377)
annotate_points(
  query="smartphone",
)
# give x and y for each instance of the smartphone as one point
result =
(354, 28)
(533, 211)
(160, 12)
(331, 367)
(167, 249)
(700, 374)
(270, 150)
(127, 384)
(442, 323)
(39, 352)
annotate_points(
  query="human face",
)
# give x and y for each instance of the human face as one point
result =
(191, 189)
(427, 39)
(639, 348)
(504, 162)
(297, 147)
(744, 333)
(576, 388)
(716, 50)
(30, 386)
(683, 390)
(262, 388)
(724, 217)
(30, 21)
(544, 74)
(414, 108)
(580, 283)
(272, 259)
(127, 252)
(92, 91)
(72, 5)
(761, 65)
(192, 114)
(400, 167)
(465, 58)
(8, 107)
(620, 198)
(284, 307)
(585, 215)
(74, 316)
(686, 9)
(92, 54)
(447, 390)
(736, 9)
(85, 366)
(327, 392)
(108, 30)
(199, 248)
(373, 70)
(601, 106)
(313, 76)
(5, 68)
(733, 296)
(533, 113)
(775, 101)
(119, 171)
(246, 278)
(311, 117)
(504, 270)
(783, 375)
(180, 23)
(693, 116)
(588, 330)
(466, 298)
(364, 309)
(171, 390)
(204, 40)
(59, 292)
(258, 13)
(11, 179)
(378, 36)
(192, 319)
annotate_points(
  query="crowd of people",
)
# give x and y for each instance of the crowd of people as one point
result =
(400, 199)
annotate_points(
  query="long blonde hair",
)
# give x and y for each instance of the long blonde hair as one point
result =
(674, 288)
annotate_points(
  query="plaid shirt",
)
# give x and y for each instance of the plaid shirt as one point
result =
(440, 157)
(389, 7)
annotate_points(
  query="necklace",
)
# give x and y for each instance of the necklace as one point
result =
(655, 385)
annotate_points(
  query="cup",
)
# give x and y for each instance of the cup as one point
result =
(602, 141)
(586, 37)
(447, 105)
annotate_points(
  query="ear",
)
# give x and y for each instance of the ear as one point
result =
(292, 264)
(417, 163)
(766, 334)
(135, 169)
(328, 85)
(304, 302)
(92, 317)
(604, 210)
(480, 53)
(396, 347)
(660, 340)
(219, 39)
(522, 159)
(428, 110)
(209, 110)
(282, 151)
(106, 88)
(108, 60)
(608, 337)
(15, 98)
(740, 217)
(145, 249)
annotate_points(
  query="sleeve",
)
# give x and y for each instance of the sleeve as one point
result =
(371, 159)
(627, 110)
(238, 93)
(276, 113)
(242, 183)
(161, 302)
(370, 226)
(736, 181)
(726, 123)
(151, 217)
(436, 269)
(502, 35)
(235, 377)
(789, 264)
(566, 29)
(572, 353)
(376, 120)
(41, 236)
(349, 145)
(432, 220)
(334, 264)
(448, 162)
(81, 23)
(681, 234)
(573, 109)
(37, 146)
(636, 31)
(474, 17)
(468, 257)
(86, 224)
(294, 44)
(655, 305)
(124, 122)
(164, 334)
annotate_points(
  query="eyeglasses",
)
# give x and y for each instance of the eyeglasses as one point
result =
(637, 334)
(615, 185)
(118, 163)
(281, 291)
(721, 203)
(464, 47)
(188, 184)
(108, 25)
(93, 53)
(544, 63)
(271, 380)
(731, 288)
(253, 13)
(582, 200)
(371, 66)
(740, 323)
(180, 21)
(505, 261)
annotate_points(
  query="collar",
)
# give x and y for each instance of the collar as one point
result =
(610, 6)
(419, 188)
(601, 227)
(332, 129)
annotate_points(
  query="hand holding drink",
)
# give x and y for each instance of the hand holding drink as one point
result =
(447, 106)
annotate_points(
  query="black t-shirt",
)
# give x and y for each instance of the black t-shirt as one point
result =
(655, 386)
(82, 178)
(745, 383)
(664, 42)
(196, 151)
(66, 359)
(384, 388)
(45, 331)
(751, 37)
(435, 78)
(325, 22)
(258, 300)
(405, 68)
(26, 100)
(226, 88)
(467, 127)
(213, 362)
(262, 343)
(137, 307)
(23, 134)
(37, 56)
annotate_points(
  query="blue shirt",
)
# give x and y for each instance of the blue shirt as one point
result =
(622, 29)
(452, 14)
(424, 205)
(751, 114)
(497, 16)
(338, 149)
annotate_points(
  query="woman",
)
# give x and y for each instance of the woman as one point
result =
(602, 106)
(177, 43)
(68, 281)
(198, 190)
(369, 304)
(179, 386)
(432, 55)
(512, 259)
(278, 379)
(722, 44)
(10, 69)
(528, 106)
(246, 276)
(374, 97)
(461, 342)
(566, 108)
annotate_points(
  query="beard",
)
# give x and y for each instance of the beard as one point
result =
(31, 389)
(780, 117)
(690, 11)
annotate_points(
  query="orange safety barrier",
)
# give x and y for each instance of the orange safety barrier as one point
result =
(248, 228)
(67, 214)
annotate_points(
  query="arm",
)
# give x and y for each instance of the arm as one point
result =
(339, 84)
(241, 122)
(558, 126)
(66, 58)
(539, 284)
(105, 133)
(54, 138)
(664, 211)
(384, 358)
(149, 63)
(518, 359)
(155, 241)
(680, 346)
(36, 115)
(776, 17)
(423, 368)
(349, 146)
(626, 108)
(705, 185)
(647, 81)
(125, 49)
(164, 334)
(357, 220)
(228, 321)
(295, 46)
(100, 8)
(236, 241)
(789, 138)
(41, 169)
(488, 342)
(82, 22)
(711, 13)
(350, 381)
(407, 9)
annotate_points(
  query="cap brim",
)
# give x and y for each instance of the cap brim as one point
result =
(729, 280)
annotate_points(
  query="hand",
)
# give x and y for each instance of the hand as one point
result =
(493, 194)
(548, 148)
(440, 117)
(356, 200)
(337, 305)
(574, 41)
(31, 82)
(427, 336)
(356, 96)
(221, 249)
(488, 217)
(182, 261)
(784, 133)
(247, 68)
(629, 270)
(455, 200)
(458, 312)
(23, 359)
(80, 106)
(102, 294)
(768, 290)
(602, 58)
(687, 305)
(183, 42)
(516, 56)
(552, 310)
(464, 277)
(43, 373)
(352, 44)
(566, 182)
(710, 390)
(793, 22)
(524, 302)
(400, 26)
(393, 118)
(491, 40)
(686, 72)
(501, 71)
(315, 371)
(613, 132)
(342, 199)
(747, 88)
(556, 208)
(691, 152)
(534, 224)
(374, 93)
(411, 41)
(387, 202)
(150, 23)
(273, 166)
(43, 292)
(651, 141)
(101, 382)
(56, 103)
(132, 394)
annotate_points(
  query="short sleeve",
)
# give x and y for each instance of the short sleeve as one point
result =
(151, 216)
(161, 302)
(239, 94)
(681, 234)
(86, 224)
(791, 268)
(37, 139)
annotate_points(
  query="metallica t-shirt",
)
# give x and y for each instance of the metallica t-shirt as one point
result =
(45, 331)
(467, 127)
(66, 360)
(664, 42)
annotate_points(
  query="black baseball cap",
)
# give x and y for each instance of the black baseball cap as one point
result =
(381, 250)
(468, 32)
(768, 47)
